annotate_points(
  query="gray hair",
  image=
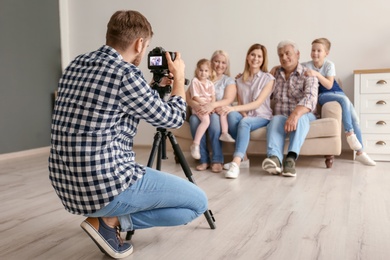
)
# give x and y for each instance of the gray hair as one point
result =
(284, 43)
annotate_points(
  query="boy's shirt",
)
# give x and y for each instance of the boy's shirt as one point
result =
(327, 70)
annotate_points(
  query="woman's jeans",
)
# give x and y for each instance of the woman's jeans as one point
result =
(349, 115)
(157, 199)
(240, 128)
(214, 132)
(276, 135)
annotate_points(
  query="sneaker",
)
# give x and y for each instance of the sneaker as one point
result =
(365, 159)
(225, 137)
(272, 165)
(195, 152)
(106, 238)
(289, 168)
(233, 171)
(244, 165)
(354, 142)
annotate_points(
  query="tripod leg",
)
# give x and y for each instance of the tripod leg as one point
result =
(187, 171)
(156, 147)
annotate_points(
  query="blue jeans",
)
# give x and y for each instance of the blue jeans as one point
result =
(240, 128)
(276, 135)
(349, 115)
(157, 199)
(214, 132)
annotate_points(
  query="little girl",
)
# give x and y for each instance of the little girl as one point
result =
(329, 90)
(202, 91)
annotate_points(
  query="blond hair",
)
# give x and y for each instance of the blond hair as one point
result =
(324, 42)
(200, 63)
(215, 54)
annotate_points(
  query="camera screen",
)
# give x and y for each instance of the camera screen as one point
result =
(155, 61)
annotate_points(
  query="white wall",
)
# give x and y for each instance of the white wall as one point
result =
(358, 29)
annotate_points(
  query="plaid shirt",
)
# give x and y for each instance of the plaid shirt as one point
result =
(101, 99)
(297, 90)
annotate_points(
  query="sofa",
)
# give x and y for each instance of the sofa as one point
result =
(324, 137)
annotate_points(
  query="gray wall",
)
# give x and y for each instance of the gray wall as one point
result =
(30, 66)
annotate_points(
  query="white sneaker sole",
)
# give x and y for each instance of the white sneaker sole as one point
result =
(100, 242)
(289, 174)
(270, 166)
(243, 165)
(231, 176)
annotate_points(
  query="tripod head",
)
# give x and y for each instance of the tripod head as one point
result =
(157, 77)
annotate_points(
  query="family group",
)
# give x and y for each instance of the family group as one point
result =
(293, 89)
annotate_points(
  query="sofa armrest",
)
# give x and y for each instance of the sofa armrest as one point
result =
(331, 110)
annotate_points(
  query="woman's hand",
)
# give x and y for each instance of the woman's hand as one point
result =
(224, 110)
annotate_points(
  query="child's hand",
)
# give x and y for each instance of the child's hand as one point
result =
(311, 73)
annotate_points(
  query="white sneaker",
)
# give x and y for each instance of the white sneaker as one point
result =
(365, 159)
(227, 138)
(244, 165)
(233, 172)
(354, 142)
(195, 152)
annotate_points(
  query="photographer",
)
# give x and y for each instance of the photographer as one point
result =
(102, 95)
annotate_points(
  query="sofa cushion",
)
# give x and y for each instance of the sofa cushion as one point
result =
(324, 127)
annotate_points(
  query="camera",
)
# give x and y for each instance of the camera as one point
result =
(157, 60)
(158, 65)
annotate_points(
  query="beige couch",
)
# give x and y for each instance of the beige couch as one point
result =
(324, 137)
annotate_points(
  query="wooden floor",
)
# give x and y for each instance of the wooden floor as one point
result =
(339, 213)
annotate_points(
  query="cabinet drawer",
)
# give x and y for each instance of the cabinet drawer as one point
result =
(375, 123)
(377, 146)
(375, 83)
(375, 103)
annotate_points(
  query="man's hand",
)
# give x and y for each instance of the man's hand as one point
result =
(274, 69)
(291, 123)
(167, 80)
(292, 120)
(177, 68)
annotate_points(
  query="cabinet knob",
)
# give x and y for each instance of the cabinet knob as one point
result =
(381, 123)
(381, 82)
(381, 143)
(381, 102)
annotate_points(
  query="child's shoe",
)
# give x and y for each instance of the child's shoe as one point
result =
(195, 152)
(354, 142)
(365, 159)
(225, 137)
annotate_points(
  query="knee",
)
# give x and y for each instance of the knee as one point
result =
(194, 121)
(203, 202)
(244, 124)
(277, 121)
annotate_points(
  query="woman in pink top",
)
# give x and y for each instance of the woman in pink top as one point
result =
(254, 88)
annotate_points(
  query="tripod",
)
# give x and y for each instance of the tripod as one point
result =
(159, 145)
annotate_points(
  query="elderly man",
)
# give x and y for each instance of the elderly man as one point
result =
(295, 96)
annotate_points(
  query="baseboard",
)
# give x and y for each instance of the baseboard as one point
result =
(14, 155)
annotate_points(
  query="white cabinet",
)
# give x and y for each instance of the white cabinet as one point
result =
(372, 104)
